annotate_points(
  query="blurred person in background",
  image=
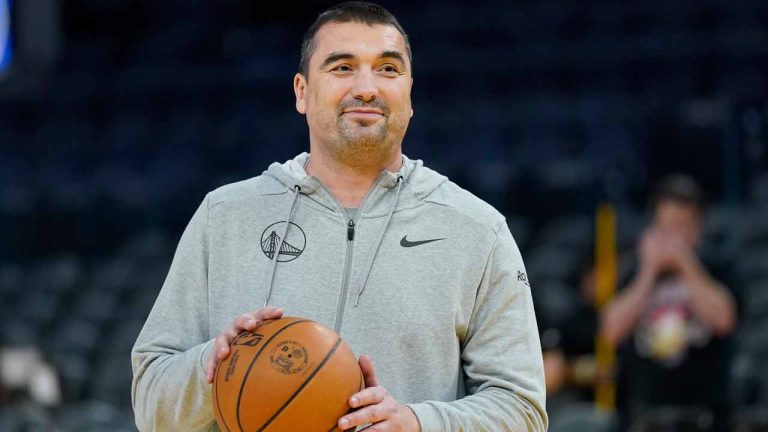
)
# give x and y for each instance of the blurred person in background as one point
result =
(437, 277)
(673, 317)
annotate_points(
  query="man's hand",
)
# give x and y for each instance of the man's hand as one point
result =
(662, 251)
(245, 322)
(651, 250)
(680, 253)
(378, 407)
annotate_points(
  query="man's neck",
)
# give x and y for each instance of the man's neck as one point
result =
(348, 184)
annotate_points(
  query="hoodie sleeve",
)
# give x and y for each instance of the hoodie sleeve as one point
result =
(169, 389)
(501, 357)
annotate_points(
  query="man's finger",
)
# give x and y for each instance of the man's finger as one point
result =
(248, 321)
(251, 320)
(368, 396)
(384, 426)
(370, 414)
(366, 365)
(230, 333)
(223, 353)
(221, 345)
(245, 322)
(268, 313)
(218, 352)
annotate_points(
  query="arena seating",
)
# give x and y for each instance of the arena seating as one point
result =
(544, 109)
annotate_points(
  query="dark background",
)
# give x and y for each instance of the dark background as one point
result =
(117, 116)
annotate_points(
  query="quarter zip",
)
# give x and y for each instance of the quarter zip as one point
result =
(345, 280)
(351, 226)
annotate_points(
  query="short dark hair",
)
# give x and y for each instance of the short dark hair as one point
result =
(352, 11)
(680, 188)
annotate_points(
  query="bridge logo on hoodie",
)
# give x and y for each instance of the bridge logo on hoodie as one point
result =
(292, 247)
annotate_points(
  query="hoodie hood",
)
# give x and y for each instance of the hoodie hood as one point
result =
(418, 183)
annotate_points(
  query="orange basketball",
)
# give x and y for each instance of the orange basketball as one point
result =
(291, 374)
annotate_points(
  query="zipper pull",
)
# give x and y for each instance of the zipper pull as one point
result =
(351, 230)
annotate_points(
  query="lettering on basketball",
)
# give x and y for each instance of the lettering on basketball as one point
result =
(231, 365)
(249, 339)
(289, 357)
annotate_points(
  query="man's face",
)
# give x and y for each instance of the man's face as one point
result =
(678, 218)
(357, 95)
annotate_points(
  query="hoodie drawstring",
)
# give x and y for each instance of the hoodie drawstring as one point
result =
(271, 279)
(375, 249)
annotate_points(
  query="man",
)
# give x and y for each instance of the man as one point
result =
(410, 269)
(676, 312)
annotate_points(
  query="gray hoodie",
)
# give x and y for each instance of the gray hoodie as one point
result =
(424, 277)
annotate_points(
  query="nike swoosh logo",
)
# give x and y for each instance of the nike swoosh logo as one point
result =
(405, 243)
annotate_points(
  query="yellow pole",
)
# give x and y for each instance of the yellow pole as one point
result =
(605, 274)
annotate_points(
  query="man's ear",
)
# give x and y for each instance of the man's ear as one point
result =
(411, 87)
(300, 89)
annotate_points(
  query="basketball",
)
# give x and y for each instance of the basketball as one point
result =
(291, 374)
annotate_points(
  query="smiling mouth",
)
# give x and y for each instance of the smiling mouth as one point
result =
(371, 114)
(364, 118)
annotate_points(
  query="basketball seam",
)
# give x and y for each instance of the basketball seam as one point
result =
(362, 386)
(301, 387)
(248, 372)
(216, 396)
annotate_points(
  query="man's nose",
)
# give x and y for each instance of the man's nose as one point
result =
(365, 88)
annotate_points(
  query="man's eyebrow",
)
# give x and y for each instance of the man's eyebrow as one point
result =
(340, 55)
(334, 57)
(393, 54)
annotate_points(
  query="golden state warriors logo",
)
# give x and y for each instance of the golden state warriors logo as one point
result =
(291, 248)
(289, 357)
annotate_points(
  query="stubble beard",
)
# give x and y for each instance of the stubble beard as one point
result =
(360, 141)
(360, 144)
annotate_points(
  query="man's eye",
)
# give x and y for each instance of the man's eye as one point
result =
(390, 69)
(342, 68)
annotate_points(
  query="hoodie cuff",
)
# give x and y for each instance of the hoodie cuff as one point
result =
(428, 417)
